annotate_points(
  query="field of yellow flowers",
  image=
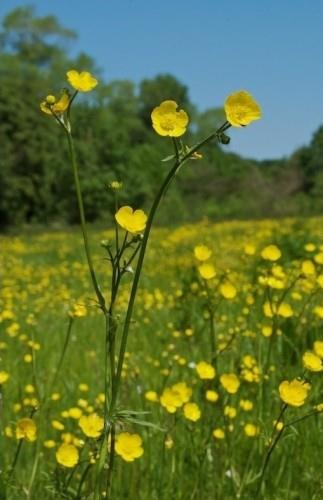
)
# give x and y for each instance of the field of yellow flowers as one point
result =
(221, 386)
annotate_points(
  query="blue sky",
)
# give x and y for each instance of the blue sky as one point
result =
(272, 48)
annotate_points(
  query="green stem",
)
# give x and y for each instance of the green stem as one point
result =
(271, 449)
(82, 219)
(141, 257)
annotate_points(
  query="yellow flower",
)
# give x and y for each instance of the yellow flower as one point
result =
(211, 396)
(241, 109)
(171, 400)
(183, 391)
(227, 290)
(312, 362)
(56, 424)
(92, 425)
(218, 434)
(75, 413)
(67, 455)
(192, 412)
(308, 268)
(294, 393)
(129, 446)
(151, 396)
(131, 220)
(49, 443)
(207, 271)
(26, 429)
(318, 348)
(230, 382)
(230, 412)
(271, 252)
(246, 404)
(285, 310)
(4, 377)
(202, 252)
(205, 371)
(51, 106)
(83, 81)
(251, 430)
(167, 121)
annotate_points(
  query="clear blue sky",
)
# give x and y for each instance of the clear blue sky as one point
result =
(273, 48)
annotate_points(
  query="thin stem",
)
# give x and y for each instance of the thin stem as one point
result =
(141, 257)
(82, 219)
(61, 359)
(111, 461)
(271, 448)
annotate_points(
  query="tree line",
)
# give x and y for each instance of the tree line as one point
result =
(115, 141)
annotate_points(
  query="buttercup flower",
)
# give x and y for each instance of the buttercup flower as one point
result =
(92, 425)
(167, 121)
(205, 371)
(207, 271)
(218, 434)
(26, 429)
(192, 412)
(129, 446)
(4, 377)
(83, 81)
(294, 393)
(227, 290)
(312, 362)
(230, 382)
(171, 400)
(52, 106)
(131, 220)
(251, 430)
(202, 252)
(271, 252)
(67, 455)
(241, 109)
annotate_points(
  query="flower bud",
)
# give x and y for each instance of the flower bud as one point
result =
(50, 99)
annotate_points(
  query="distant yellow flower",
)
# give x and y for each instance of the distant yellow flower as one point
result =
(227, 290)
(285, 310)
(131, 220)
(4, 377)
(230, 382)
(294, 393)
(183, 391)
(151, 396)
(67, 455)
(192, 412)
(308, 268)
(207, 271)
(218, 433)
(312, 362)
(230, 411)
(26, 429)
(241, 109)
(52, 106)
(49, 443)
(83, 81)
(211, 396)
(171, 400)
(251, 430)
(92, 425)
(167, 121)
(271, 252)
(75, 412)
(202, 252)
(246, 404)
(129, 446)
(205, 370)
(56, 424)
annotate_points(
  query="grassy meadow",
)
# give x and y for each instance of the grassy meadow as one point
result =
(228, 339)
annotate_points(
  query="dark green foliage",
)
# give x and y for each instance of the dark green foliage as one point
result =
(114, 141)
